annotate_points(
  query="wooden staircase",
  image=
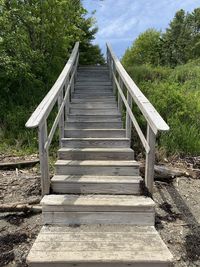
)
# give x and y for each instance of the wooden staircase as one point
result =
(96, 213)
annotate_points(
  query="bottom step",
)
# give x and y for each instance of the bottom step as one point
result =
(99, 245)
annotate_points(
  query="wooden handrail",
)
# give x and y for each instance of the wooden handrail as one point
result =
(155, 122)
(151, 115)
(45, 107)
(64, 85)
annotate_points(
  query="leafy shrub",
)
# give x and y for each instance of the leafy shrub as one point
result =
(176, 96)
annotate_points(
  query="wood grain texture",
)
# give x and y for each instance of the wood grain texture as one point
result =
(94, 125)
(96, 153)
(115, 133)
(94, 167)
(95, 142)
(84, 184)
(68, 246)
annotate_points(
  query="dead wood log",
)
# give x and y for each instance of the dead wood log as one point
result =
(165, 173)
(19, 164)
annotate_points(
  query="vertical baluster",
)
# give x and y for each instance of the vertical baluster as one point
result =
(61, 121)
(43, 153)
(76, 66)
(120, 104)
(113, 81)
(68, 99)
(150, 160)
(109, 63)
(128, 119)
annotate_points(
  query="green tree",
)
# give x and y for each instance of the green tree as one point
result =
(176, 40)
(36, 38)
(145, 49)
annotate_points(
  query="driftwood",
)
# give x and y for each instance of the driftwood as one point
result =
(165, 173)
(22, 206)
(20, 164)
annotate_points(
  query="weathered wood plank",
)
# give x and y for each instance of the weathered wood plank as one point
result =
(115, 133)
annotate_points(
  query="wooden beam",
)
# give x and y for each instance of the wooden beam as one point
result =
(150, 160)
(43, 153)
(128, 119)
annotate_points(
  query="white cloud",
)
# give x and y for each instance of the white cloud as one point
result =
(121, 21)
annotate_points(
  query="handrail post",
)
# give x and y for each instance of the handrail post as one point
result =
(109, 63)
(68, 99)
(61, 121)
(76, 66)
(120, 104)
(150, 160)
(43, 153)
(72, 83)
(113, 81)
(128, 119)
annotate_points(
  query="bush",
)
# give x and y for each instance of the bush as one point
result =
(176, 96)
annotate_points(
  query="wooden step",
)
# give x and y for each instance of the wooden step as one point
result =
(97, 167)
(115, 133)
(95, 142)
(95, 153)
(93, 117)
(92, 88)
(106, 100)
(94, 97)
(93, 91)
(92, 105)
(94, 111)
(91, 83)
(98, 209)
(99, 246)
(83, 93)
(85, 184)
(97, 78)
(93, 68)
(94, 124)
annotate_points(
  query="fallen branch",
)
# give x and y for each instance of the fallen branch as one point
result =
(22, 206)
(20, 164)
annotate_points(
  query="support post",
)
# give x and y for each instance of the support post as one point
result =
(120, 103)
(43, 153)
(150, 160)
(113, 80)
(68, 99)
(128, 119)
(72, 84)
(61, 121)
(76, 67)
(109, 63)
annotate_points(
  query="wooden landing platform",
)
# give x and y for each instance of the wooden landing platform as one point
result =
(97, 245)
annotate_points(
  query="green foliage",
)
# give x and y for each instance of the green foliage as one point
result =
(175, 94)
(167, 69)
(145, 49)
(177, 45)
(36, 38)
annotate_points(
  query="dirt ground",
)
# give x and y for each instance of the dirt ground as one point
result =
(177, 217)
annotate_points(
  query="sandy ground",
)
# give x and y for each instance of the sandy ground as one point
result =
(177, 217)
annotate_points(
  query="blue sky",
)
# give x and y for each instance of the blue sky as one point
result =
(121, 21)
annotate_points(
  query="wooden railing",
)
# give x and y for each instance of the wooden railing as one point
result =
(123, 85)
(60, 93)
